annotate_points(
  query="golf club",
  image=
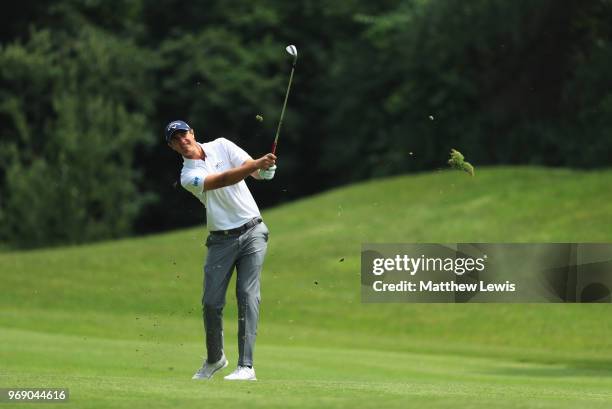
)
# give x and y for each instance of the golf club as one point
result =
(291, 49)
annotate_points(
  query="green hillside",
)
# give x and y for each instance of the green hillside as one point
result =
(119, 322)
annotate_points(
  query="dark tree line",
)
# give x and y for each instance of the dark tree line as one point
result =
(381, 88)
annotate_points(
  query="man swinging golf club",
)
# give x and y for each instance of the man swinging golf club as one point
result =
(214, 172)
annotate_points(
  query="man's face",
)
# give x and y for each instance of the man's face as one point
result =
(183, 142)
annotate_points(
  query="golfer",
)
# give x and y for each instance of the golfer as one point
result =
(214, 172)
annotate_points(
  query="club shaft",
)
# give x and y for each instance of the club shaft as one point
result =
(280, 122)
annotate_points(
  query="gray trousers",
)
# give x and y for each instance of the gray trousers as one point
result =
(246, 253)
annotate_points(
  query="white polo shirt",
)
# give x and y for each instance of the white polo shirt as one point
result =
(227, 207)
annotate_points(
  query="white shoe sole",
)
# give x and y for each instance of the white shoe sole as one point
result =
(250, 379)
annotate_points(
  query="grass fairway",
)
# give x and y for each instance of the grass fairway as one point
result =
(119, 322)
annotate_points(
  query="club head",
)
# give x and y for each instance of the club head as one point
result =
(292, 50)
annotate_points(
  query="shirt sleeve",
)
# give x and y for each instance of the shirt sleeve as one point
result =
(237, 156)
(193, 181)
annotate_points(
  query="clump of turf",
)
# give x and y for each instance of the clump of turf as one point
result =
(457, 161)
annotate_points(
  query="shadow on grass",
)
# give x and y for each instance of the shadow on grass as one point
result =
(578, 368)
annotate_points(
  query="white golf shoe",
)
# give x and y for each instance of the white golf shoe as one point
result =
(208, 369)
(242, 373)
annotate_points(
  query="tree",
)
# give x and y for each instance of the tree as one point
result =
(74, 107)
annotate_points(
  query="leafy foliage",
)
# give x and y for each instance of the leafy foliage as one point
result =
(71, 117)
(381, 88)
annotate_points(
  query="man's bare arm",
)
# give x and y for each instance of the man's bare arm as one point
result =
(253, 174)
(235, 175)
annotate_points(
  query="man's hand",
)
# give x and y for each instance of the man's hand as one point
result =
(267, 174)
(266, 161)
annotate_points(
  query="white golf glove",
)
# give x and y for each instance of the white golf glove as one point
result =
(267, 174)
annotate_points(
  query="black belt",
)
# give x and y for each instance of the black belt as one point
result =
(238, 230)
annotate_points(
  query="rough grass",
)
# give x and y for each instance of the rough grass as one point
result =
(119, 322)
